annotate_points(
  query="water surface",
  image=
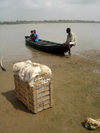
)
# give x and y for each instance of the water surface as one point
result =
(12, 43)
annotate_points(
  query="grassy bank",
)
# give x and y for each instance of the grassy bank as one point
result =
(47, 21)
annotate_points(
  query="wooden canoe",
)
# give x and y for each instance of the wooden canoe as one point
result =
(47, 46)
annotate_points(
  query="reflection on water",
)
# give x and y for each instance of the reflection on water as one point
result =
(12, 43)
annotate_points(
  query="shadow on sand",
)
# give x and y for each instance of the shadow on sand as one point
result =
(11, 97)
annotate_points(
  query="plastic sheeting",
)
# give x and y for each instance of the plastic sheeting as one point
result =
(27, 71)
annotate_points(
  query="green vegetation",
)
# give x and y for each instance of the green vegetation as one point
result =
(48, 21)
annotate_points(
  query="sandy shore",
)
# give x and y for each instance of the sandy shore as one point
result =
(76, 89)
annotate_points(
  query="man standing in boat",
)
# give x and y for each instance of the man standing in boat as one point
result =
(71, 40)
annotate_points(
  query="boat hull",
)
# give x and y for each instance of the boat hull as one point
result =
(47, 46)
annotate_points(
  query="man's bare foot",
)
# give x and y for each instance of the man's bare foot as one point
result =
(68, 56)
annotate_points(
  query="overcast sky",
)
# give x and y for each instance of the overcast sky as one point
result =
(11, 10)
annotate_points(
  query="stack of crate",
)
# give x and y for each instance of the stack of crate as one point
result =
(33, 85)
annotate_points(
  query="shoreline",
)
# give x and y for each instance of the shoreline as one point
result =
(92, 55)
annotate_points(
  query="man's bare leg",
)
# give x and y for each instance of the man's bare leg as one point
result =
(69, 52)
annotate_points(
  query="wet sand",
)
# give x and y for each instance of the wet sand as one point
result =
(76, 93)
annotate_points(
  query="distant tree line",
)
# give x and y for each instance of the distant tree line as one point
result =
(48, 21)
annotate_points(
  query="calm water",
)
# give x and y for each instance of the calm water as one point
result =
(12, 43)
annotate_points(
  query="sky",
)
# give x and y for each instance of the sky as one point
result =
(12, 10)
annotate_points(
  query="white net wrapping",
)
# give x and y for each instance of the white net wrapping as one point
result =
(27, 71)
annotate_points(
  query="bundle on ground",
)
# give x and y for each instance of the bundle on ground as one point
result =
(92, 123)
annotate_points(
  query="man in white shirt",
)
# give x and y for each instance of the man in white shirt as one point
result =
(71, 39)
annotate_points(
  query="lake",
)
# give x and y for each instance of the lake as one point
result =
(12, 42)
